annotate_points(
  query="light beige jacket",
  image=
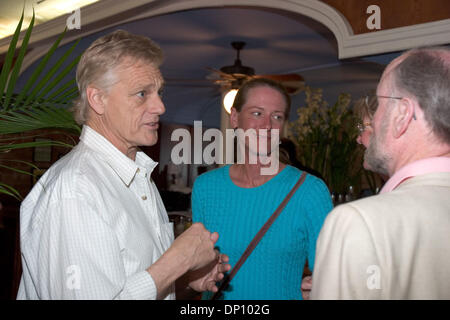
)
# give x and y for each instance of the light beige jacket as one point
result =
(394, 245)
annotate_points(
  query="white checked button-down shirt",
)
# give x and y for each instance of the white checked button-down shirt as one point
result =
(92, 225)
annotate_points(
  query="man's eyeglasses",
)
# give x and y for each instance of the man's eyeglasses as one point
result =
(368, 98)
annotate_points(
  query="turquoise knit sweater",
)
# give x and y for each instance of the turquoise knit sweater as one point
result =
(274, 269)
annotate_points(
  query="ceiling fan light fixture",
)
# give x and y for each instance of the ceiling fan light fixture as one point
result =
(239, 69)
(232, 77)
(228, 100)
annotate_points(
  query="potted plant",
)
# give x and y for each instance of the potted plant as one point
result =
(326, 141)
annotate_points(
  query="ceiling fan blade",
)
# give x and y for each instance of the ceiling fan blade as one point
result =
(235, 75)
(241, 76)
(294, 83)
(281, 77)
(222, 74)
(182, 82)
(293, 87)
(223, 82)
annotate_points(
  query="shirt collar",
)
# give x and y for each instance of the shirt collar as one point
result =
(123, 166)
(424, 166)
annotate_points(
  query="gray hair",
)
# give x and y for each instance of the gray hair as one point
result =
(103, 56)
(425, 74)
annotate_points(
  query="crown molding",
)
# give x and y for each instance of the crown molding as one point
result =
(109, 13)
(398, 39)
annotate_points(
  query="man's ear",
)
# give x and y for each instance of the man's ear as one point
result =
(234, 118)
(96, 99)
(404, 114)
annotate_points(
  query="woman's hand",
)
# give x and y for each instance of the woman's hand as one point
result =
(205, 279)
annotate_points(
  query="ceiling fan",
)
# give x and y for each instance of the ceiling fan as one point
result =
(235, 75)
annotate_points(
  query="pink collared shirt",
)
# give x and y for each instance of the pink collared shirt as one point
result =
(424, 166)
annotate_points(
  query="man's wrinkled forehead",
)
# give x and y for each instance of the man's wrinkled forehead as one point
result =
(128, 63)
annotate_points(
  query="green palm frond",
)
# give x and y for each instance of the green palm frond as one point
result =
(6, 189)
(41, 104)
(29, 164)
(38, 71)
(10, 56)
(15, 71)
(42, 88)
(33, 144)
(42, 117)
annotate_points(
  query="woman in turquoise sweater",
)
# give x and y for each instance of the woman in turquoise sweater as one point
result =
(236, 200)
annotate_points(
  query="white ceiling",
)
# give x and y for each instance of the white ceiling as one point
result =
(277, 42)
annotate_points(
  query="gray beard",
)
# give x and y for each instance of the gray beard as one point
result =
(375, 160)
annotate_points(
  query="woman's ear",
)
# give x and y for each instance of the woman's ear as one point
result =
(403, 116)
(95, 98)
(234, 118)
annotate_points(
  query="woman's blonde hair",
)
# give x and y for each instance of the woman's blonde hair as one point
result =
(366, 106)
(241, 96)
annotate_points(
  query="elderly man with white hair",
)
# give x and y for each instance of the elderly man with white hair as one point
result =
(94, 226)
